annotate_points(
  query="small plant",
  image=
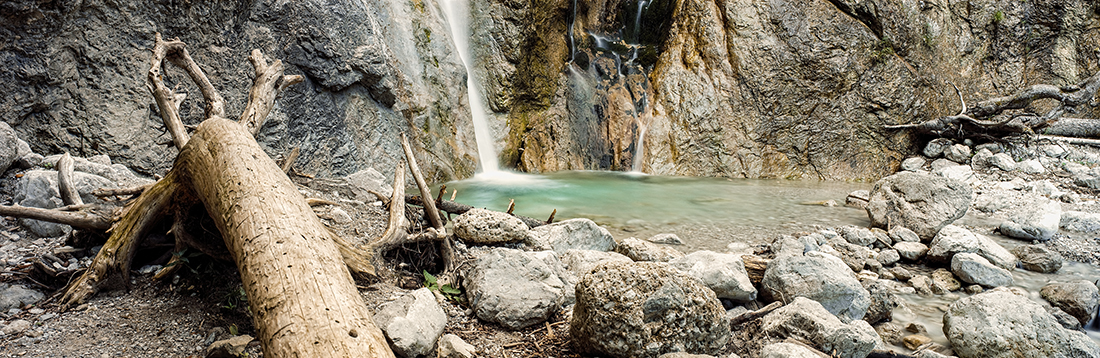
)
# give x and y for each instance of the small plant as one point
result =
(998, 16)
(183, 257)
(882, 50)
(233, 330)
(451, 293)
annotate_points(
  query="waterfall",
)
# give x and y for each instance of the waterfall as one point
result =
(638, 21)
(457, 14)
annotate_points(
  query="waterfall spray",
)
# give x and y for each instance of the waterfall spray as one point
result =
(457, 14)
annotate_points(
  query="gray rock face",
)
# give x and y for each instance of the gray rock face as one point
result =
(1080, 221)
(372, 72)
(581, 234)
(921, 203)
(806, 319)
(723, 273)
(819, 277)
(487, 227)
(412, 323)
(645, 309)
(788, 350)
(513, 288)
(17, 297)
(954, 239)
(1079, 298)
(1038, 258)
(579, 262)
(9, 147)
(973, 268)
(1039, 221)
(1002, 324)
(641, 250)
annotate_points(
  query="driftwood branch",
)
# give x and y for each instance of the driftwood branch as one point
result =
(288, 162)
(398, 225)
(65, 184)
(266, 86)
(167, 102)
(425, 191)
(749, 316)
(94, 220)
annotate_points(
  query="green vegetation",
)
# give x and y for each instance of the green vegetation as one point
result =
(998, 16)
(451, 293)
(882, 50)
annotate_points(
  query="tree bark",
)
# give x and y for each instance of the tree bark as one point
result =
(301, 294)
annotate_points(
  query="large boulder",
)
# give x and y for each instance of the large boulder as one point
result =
(1038, 258)
(513, 288)
(581, 234)
(1038, 220)
(807, 320)
(922, 203)
(487, 227)
(954, 239)
(820, 277)
(646, 309)
(975, 269)
(1003, 324)
(1078, 298)
(412, 323)
(723, 273)
(641, 250)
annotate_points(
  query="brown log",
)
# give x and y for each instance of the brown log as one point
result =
(301, 294)
(755, 265)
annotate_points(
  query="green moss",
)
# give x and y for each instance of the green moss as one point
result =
(882, 50)
(998, 16)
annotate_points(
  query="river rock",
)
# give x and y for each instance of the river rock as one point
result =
(487, 227)
(581, 234)
(641, 250)
(922, 284)
(820, 277)
(900, 234)
(961, 173)
(645, 309)
(789, 350)
(580, 262)
(981, 160)
(513, 288)
(954, 239)
(9, 147)
(1080, 221)
(855, 256)
(858, 235)
(17, 296)
(913, 164)
(973, 268)
(1079, 298)
(452, 346)
(806, 319)
(1003, 161)
(888, 257)
(1002, 324)
(725, 274)
(958, 153)
(666, 239)
(918, 202)
(1036, 221)
(412, 323)
(1067, 320)
(100, 165)
(1038, 258)
(229, 348)
(935, 147)
(1031, 166)
(883, 302)
(944, 281)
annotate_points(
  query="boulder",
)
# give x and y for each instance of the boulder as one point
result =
(961, 173)
(981, 160)
(958, 153)
(820, 277)
(807, 320)
(883, 302)
(412, 323)
(38, 188)
(581, 234)
(1080, 221)
(888, 257)
(1079, 298)
(935, 147)
(973, 268)
(645, 309)
(913, 164)
(954, 239)
(513, 288)
(579, 262)
(17, 297)
(858, 235)
(901, 234)
(452, 346)
(723, 273)
(789, 350)
(9, 147)
(1003, 161)
(368, 179)
(911, 251)
(857, 199)
(1036, 221)
(1003, 324)
(919, 202)
(1038, 258)
(641, 250)
(487, 227)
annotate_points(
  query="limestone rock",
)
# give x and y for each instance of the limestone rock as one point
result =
(487, 227)
(921, 203)
(452, 346)
(1078, 298)
(16, 327)
(723, 273)
(645, 309)
(1038, 258)
(1080, 221)
(38, 188)
(789, 350)
(17, 297)
(973, 268)
(581, 234)
(1031, 166)
(666, 239)
(957, 153)
(807, 320)
(412, 323)
(901, 234)
(981, 160)
(1002, 324)
(888, 257)
(1037, 221)
(641, 250)
(819, 277)
(913, 164)
(883, 302)
(944, 280)
(954, 239)
(580, 262)
(1003, 161)
(513, 288)
(935, 147)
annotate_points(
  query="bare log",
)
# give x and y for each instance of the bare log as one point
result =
(65, 184)
(92, 219)
(425, 191)
(1074, 127)
(1079, 141)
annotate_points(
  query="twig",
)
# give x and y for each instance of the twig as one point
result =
(290, 158)
(749, 316)
(425, 192)
(511, 206)
(550, 220)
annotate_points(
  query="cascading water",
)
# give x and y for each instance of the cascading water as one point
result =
(457, 13)
(638, 21)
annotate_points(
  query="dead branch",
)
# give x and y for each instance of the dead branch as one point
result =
(1079, 141)
(289, 160)
(105, 192)
(749, 316)
(167, 102)
(65, 184)
(93, 219)
(269, 82)
(398, 225)
(1070, 96)
(425, 191)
